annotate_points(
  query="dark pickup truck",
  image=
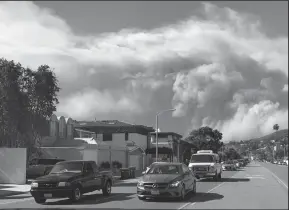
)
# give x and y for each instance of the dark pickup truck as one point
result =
(71, 179)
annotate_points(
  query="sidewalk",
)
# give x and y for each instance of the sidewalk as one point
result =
(14, 189)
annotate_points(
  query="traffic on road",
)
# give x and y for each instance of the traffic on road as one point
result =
(163, 185)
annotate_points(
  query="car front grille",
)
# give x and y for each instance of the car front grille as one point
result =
(200, 168)
(47, 185)
(155, 185)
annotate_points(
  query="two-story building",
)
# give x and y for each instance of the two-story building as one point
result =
(169, 147)
(117, 133)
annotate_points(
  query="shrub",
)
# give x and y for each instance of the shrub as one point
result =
(105, 165)
(116, 164)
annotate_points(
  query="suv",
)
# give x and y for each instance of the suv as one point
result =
(206, 164)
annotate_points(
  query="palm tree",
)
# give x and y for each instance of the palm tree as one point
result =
(276, 127)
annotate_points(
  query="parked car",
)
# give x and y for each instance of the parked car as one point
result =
(71, 179)
(229, 165)
(166, 180)
(40, 167)
(236, 164)
(206, 164)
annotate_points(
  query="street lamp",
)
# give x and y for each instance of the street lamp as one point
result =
(157, 125)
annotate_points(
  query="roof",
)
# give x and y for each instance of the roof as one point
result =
(113, 126)
(167, 163)
(167, 133)
(205, 154)
(76, 161)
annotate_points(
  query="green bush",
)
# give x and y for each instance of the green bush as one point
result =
(116, 164)
(105, 165)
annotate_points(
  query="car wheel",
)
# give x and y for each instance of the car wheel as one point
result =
(76, 194)
(220, 176)
(106, 190)
(40, 200)
(183, 194)
(216, 176)
(195, 188)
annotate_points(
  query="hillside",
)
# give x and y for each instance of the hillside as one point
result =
(277, 136)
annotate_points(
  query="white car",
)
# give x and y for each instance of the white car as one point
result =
(206, 164)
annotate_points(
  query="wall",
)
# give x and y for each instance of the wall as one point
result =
(90, 154)
(62, 153)
(103, 156)
(140, 140)
(118, 154)
(135, 161)
(13, 165)
(118, 139)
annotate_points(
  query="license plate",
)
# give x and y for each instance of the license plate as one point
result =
(155, 192)
(201, 169)
(48, 195)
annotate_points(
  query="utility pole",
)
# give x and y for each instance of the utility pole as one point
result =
(157, 127)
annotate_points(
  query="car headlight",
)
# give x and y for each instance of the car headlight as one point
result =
(175, 184)
(34, 185)
(63, 184)
(140, 184)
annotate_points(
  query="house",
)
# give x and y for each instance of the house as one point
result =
(64, 140)
(168, 146)
(117, 133)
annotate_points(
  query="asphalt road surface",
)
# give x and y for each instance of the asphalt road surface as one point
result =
(253, 187)
(280, 171)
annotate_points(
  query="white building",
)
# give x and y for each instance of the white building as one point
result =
(117, 133)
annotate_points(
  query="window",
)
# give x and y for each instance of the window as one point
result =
(202, 158)
(89, 168)
(164, 169)
(107, 137)
(126, 136)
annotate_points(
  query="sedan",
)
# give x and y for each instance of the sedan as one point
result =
(229, 166)
(166, 180)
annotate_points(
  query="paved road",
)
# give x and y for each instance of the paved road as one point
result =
(279, 170)
(251, 188)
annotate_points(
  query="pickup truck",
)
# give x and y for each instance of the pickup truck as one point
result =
(40, 167)
(71, 179)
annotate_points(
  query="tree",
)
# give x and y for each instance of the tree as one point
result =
(28, 98)
(276, 127)
(232, 154)
(206, 138)
(279, 154)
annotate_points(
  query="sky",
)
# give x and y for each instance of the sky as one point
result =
(219, 64)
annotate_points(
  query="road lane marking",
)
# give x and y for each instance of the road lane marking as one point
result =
(277, 178)
(191, 204)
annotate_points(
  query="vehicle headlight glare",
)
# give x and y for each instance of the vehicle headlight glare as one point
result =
(140, 184)
(175, 184)
(34, 184)
(63, 184)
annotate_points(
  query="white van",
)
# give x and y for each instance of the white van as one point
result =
(206, 164)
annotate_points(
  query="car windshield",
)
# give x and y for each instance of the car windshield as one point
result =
(165, 169)
(67, 167)
(229, 162)
(202, 159)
